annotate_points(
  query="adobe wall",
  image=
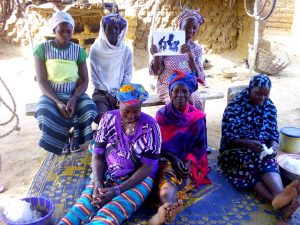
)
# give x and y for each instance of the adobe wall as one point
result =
(282, 17)
(225, 28)
(36, 24)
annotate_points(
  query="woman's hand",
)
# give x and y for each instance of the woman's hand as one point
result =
(275, 147)
(106, 195)
(186, 170)
(62, 110)
(178, 166)
(255, 146)
(70, 108)
(153, 49)
(185, 48)
(96, 201)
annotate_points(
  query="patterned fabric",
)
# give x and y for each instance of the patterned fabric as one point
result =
(184, 135)
(55, 128)
(188, 79)
(124, 154)
(114, 18)
(244, 168)
(169, 179)
(132, 94)
(115, 212)
(179, 62)
(188, 14)
(243, 120)
(61, 17)
(62, 180)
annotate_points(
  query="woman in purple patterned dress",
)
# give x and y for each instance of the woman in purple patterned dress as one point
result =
(125, 161)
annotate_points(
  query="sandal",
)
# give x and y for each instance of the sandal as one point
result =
(75, 149)
(66, 149)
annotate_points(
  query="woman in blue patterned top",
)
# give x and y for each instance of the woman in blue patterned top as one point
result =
(63, 78)
(249, 125)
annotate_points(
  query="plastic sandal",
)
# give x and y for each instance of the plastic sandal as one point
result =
(75, 149)
(66, 149)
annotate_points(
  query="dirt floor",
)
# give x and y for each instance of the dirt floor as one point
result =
(21, 156)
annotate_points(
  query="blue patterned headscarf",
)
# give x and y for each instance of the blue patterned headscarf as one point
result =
(260, 80)
(114, 18)
(187, 79)
(243, 120)
(132, 94)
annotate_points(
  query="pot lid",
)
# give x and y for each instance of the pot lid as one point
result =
(291, 131)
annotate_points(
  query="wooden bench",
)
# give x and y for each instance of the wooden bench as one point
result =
(153, 100)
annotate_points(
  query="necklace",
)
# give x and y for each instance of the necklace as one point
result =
(128, 130)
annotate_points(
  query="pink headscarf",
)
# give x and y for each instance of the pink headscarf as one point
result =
(189, 13)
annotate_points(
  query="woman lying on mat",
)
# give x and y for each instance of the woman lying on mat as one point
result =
(125, 161)
(63, 78)
(249, 126)
(183, 164)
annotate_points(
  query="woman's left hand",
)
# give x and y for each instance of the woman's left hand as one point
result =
(185, 48)
(70, 108)
(275, 147)
(106, 195)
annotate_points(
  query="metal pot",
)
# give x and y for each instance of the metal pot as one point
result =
(290, 139)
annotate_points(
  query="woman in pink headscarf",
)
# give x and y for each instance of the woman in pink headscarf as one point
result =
(190, 61)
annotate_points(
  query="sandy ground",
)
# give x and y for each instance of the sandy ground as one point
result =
(21, 156)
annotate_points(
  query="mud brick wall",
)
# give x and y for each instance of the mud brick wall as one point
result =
(225, 27)
(282, 17)
(35, 26)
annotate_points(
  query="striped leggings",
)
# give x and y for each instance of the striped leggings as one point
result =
(115, 212)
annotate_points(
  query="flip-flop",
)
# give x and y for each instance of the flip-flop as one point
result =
(2, 188)
(66, 149)
(75, 149)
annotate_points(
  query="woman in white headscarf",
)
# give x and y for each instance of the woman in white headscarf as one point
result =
(63, 78)
(111, 62)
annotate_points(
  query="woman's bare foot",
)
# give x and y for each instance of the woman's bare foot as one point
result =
(289, 210)
(173, 213)
(164, 212)
(280, 222)
(289, 193)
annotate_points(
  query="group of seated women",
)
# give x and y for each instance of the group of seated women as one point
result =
(133, 150)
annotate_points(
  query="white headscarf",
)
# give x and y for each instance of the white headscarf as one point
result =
(61, 17)
(108, 61)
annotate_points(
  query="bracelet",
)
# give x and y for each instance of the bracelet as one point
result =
(117, 190)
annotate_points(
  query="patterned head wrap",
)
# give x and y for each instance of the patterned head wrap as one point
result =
(189, 13)
(61, 17)
(260, 80)
(187, 79)
(114, 18)
(132, 94)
